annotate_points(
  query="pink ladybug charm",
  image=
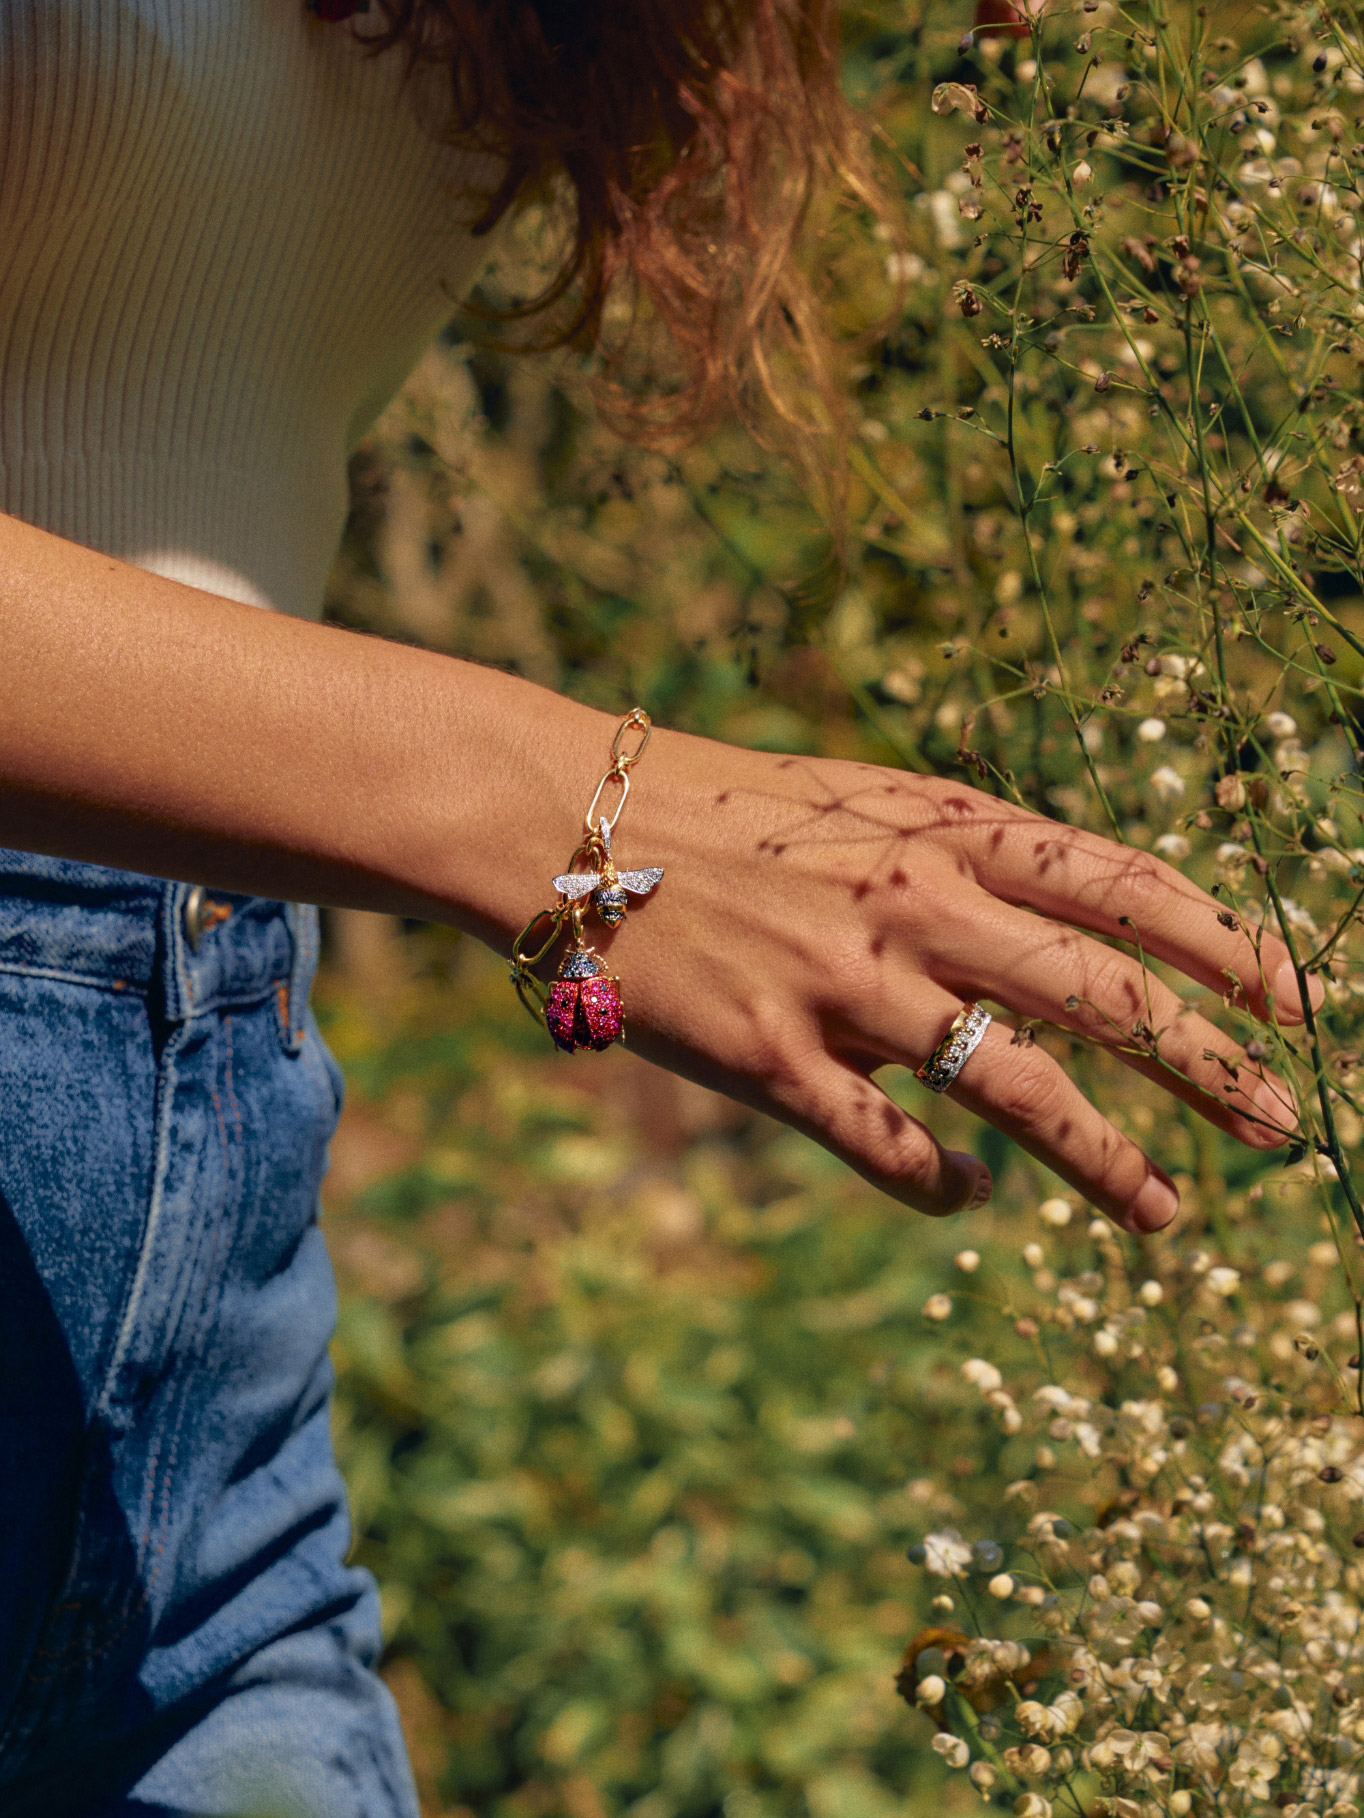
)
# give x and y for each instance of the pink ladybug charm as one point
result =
(584, 1008)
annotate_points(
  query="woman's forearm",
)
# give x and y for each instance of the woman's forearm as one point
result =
(148, 725)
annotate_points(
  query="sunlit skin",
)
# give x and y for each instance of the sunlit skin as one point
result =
(819, 919)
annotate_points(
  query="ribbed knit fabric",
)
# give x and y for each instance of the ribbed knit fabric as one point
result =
(225, 237)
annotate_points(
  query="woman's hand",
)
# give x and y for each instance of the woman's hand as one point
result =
(820, 919)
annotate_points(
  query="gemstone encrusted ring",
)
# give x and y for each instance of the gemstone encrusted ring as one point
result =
(955, 1049)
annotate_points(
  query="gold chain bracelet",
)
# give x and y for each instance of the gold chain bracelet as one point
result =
(583, 1006)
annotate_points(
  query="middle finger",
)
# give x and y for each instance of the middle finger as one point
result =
(1042, 969)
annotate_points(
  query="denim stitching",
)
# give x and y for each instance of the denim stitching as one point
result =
(60, 976)
(156, 1206)
(198, 1268)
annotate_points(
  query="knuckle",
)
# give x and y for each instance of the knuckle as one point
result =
(1032, 1091)
(900, 1152)
(1116, 992)
(768, 1049)
(1139, 885)
(848, 969)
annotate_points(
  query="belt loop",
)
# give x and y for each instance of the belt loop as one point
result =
(302, 919)
(177, 990)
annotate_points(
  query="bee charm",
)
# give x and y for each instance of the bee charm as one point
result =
(610, 889)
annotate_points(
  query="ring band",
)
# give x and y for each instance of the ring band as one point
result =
(955, 1049)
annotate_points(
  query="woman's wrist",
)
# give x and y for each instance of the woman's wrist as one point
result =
(525, 764)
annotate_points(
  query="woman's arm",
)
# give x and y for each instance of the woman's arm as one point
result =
(818, 919)
(148, 724)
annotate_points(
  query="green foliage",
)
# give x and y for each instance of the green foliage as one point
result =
(631, 1390)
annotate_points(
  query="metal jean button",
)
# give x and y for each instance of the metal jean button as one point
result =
(201, 914)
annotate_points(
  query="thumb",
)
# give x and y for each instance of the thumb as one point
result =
(849, 1114)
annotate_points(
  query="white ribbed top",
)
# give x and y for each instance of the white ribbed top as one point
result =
(225, 238)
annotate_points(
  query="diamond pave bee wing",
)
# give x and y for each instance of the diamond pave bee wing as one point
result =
(641, 882)
(577, 883)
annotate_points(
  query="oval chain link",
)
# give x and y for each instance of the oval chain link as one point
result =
(622, 762)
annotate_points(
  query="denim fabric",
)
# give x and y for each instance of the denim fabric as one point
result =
(179, 1631)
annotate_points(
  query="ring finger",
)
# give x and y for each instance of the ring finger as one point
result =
(1028, 1096)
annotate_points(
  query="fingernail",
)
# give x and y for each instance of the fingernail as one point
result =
(1288, 995)
(975, 1178)
(984, 1187)
(1156, 1204)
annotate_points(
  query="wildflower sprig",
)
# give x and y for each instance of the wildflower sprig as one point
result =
(1175, 1585)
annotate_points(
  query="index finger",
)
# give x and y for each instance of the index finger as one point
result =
(1121, 891)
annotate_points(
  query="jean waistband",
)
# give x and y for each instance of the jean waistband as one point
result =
(195, 950)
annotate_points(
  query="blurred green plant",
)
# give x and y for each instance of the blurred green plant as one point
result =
(635, 1490)
(629, 1387)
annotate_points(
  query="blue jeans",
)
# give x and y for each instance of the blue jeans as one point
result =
(180, 1634)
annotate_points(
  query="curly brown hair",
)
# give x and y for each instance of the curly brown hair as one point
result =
(694, 136)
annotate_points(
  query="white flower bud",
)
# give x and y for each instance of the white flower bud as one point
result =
(1150, 1294)
(1082, 173)
(1224, 1281)
(1032, 1805)
(1281, 725)
(1167, 1379)
(1151, 731)
(1197, 1610)
(983, 1776)
(1180, 1804)
(983, 1375)
(1056, 1212)
(1066, 1712)
(930, 1690)
(1106, 1343)
(1001, 1586)
(1033, 1255)
(938, 1306)
(1032, 1718)
(1099, 1588)
(968, 1261)
(953, 1750)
